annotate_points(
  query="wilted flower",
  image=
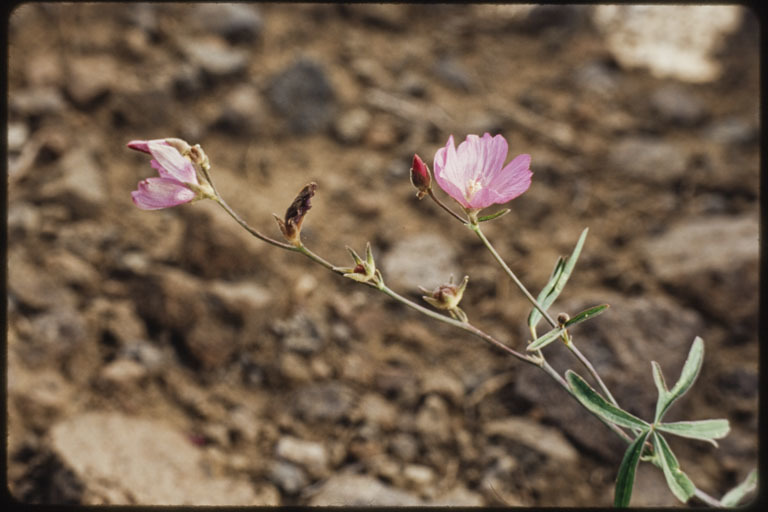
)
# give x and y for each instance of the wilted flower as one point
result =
(475, 175)
(448, 296)
(178, 182)
(420, 177)
(364, 270)
(294, 215)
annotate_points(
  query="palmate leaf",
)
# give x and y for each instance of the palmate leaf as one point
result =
(557, 280)
(678, 482)
(705, 430)
(625, 480)
(735, 495)
(688, 375)
(596, 404)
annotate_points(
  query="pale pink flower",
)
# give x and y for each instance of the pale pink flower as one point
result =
(176, 173)
(475, 174)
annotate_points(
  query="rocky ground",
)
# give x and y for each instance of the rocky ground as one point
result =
(168, 358)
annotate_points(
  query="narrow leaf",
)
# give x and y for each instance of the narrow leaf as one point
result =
(545, 339)
(535, 315)
(735, 495)
(587, 314)
(706, 430)
(494, 215)
(678, 482)
(688, 375)
(661, 387)
(625, 480)
(595, 403)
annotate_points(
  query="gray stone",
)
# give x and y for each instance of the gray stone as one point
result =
(406, 265)
(545, 440)
(242, 112)
(352, 125)
(404, 446)
(675, 105)
(289, 477)
(352, 490)
(38, 101)
(647, 158)
(303, 96)
(235, 22)
(81, 186)
(310, 455)
(433, 421)
(732, 130)
(299, 333)
(712, 263)
(453, 74)
(376, 410)
(151, 464)
(214, 58)
(18, 133)
(328, 401)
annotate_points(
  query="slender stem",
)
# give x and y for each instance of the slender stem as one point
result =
(591, 369)
(444, 207)
(251, 230)
(317, 259)
(706, 498)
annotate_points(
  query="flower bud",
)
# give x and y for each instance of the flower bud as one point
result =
(364, 270)
(562, 318)
(446, 296)
(420, 177)
(294, 215)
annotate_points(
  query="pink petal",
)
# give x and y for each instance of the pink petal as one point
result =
(448, 174)
(171, 160)
(514, 179)
(143, 145)
(158, 193)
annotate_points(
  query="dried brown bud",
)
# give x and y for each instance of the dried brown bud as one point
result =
(562, 318)
(294, 215)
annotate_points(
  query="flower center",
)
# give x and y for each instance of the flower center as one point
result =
(472, 188)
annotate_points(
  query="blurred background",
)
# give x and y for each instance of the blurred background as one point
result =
(167, 357)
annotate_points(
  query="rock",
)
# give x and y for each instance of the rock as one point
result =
(289, 477)
(212, 344)
(731, 130)
(123, 371)
(235, 22)
(303, 95)
(37, 102)
(677, 106)
(33, 288)
(91, 79)
(75, 271)
(214, 59)
(646, 158)
(545, 440)
(241, 297)
(18, 133)
(23, 219)
(418, 475)
(329, 401)
(458, 496)
(351, 126)
(433, 421)
(143, 352)
(242, 112)
(294, 367)
(299, 334)
(404, 446)
(81, 186)
(151, 465)
(453, 74)
(597, 77)
(405, 266)
(308, 454)
(40, 397)
(376, 410)
(442, 382)
(712, 263)
(671, 41)
(350, 490)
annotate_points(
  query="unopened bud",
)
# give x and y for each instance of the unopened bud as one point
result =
(420, 177)
(364, 270)
(446, 296)
(294, 215)
(562, 318)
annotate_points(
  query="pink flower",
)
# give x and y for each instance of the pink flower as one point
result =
(177, 173)
(475, 175)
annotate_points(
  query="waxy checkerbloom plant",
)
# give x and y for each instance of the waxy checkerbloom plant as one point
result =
(475, 175)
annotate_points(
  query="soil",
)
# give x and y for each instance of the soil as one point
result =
(168, 357)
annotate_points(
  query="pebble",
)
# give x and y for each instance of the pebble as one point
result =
(310, 455)
(214, 58)
(453, 74)
(731, 130)
(433, 420)
(304, 96)
(152, 464)
(242, 112)
(91, 79)
(241, 297)
(418, 475)
(328, 401)
(376, 410)
(351, 126)
(81, 186)
(299, 333)
(123, 371)
(18, 133)
(442, 382)
(677, 106)
(404, 271)
(288, 477)
(545, 440)
(351, 490)
(37, 101)
(235, 22)
(648, 158)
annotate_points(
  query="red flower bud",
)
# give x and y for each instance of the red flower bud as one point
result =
(420, 177)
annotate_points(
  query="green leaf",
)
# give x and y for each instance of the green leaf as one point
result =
(735, 495)
(595, 403)
(545, 339)
(625, 480)
(688, 375)
(661, 387)
(587, 314)
(494, 215)
(560, 275)
(678, 482)
(535, 315)
(706, 430)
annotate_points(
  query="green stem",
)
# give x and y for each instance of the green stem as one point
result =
(251, 230)
(444, 207)
(591, 369)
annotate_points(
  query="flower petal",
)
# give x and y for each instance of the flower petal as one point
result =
(448, 174)
(158, 193)
(172, 161)
(143, 145)
(514, 179)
